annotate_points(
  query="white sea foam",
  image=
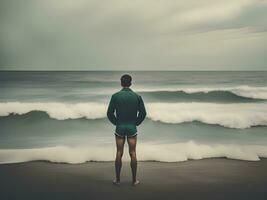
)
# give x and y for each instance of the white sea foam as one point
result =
(243, 91)
(146, 151)
(59, 111)
(238, 115)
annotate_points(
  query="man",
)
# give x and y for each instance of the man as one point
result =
(130, 112)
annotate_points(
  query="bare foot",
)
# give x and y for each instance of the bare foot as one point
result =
(115, 182)
(135, 183)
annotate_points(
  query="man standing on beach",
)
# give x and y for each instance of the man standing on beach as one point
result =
(126, 111)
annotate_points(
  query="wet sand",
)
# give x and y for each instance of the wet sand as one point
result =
(199, 179)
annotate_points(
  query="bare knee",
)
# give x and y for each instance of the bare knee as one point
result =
(132, 154)
(119, 154)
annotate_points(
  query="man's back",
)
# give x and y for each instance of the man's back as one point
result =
(130, 111)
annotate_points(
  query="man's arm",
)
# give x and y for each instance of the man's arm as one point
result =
(111, 111)
(141, 112)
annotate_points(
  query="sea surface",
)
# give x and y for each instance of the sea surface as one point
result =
(61, 116)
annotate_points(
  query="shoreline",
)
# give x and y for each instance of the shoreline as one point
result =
(128, 161)
(211, 178)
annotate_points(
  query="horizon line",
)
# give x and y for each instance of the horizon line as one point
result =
(15, 70)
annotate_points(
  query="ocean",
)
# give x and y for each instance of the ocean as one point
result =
(61, 116)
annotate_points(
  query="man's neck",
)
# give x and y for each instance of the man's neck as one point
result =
(125, 88)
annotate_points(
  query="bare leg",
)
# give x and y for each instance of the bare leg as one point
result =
(132, 151)
(120, 145)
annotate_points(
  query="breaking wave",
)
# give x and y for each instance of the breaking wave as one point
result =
(241, 91)
(241, 115)
(176, 152)
(212, 97)
(235, 115)
(59, 111)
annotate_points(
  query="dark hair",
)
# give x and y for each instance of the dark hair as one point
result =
(126, 80)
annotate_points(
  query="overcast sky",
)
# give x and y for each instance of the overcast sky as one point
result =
(133, 35)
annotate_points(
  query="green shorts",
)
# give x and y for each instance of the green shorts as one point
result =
(124, 130)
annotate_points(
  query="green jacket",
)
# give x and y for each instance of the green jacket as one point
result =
(126, 108)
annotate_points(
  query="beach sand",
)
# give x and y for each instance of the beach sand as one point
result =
(196, 179)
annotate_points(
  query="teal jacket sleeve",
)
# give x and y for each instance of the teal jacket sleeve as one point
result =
(141, 112)
(111, 111)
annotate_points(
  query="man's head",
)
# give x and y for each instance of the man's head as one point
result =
(126, 80)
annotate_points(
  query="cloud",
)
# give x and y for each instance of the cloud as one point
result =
(136, 35)
(215, 13)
